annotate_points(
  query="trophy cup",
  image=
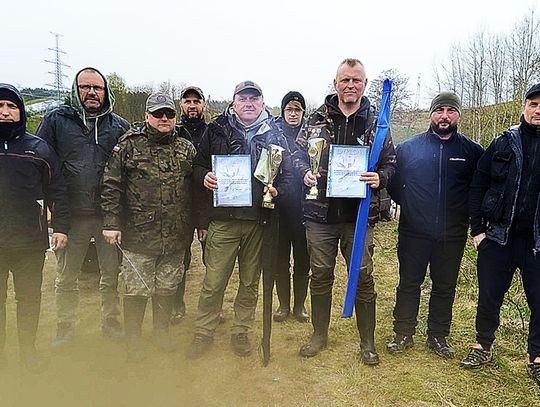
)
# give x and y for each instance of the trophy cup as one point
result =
(275, 156)
(315, 148)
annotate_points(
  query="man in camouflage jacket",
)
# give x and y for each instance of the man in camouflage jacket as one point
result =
(346, 118)
(146, 203)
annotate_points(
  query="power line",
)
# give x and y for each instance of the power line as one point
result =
(58, 76)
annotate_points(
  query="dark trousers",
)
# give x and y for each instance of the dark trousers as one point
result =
(292, 233)
(496, 267)
(444, 259)
(26, 266)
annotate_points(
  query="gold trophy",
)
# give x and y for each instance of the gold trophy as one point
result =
(315, 148)
(273, 161)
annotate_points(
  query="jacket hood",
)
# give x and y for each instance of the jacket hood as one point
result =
(332, 104)
(17, 129)
(76, 103)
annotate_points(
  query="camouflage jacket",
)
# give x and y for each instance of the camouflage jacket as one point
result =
(146, 191)
(329, 123)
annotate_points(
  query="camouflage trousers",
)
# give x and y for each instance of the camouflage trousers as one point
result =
(227, 241)
(68, 269)
(147, 275)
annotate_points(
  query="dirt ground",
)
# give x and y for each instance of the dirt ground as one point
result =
(94, 372)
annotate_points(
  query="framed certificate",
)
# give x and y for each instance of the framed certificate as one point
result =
(233, 174)
(345, 165)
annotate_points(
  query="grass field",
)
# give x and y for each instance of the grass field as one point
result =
(94, 373)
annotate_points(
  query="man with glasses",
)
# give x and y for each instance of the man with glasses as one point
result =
(84, 133)
(246, 127)
(146, 203)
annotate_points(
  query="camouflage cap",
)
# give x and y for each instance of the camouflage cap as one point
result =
(158, 101)
(194, 89)
(247, 85)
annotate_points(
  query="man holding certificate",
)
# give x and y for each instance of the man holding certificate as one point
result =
(240, 148)
(332, 157)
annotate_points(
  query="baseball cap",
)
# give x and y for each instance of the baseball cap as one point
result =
(533, 90)
(158, 101)
(195, 89)
(247, 85)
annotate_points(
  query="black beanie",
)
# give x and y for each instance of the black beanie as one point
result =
(293, 95)
(6, 94)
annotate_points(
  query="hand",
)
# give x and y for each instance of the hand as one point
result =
(477, 240)
(112, 237)
(58, 241)
(202, 235)
(372, 179)
(273, 191)
(310, 180)
(210, 181)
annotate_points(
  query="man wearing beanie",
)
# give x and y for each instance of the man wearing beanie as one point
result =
(291, 230)
(146, 205)
(431, 184)
(30, 182)
(84, 133)
(237, 233)
(505, 225)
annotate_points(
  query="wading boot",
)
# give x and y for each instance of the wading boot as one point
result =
(365, 321)
(320, 318)
(300, 284)
(161, 310)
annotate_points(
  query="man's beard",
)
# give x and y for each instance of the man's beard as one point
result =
(443, 131)
(93, 109)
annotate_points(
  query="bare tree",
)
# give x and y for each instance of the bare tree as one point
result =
(401, 94)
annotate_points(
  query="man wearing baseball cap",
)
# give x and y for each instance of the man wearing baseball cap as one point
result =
(431, 184)
(505, 225)
(246, 127)
(146, 204)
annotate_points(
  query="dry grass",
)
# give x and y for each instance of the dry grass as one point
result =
(94, 372)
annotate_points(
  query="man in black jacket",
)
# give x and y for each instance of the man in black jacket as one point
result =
(346, 118)
(431, 183)
(246, 127)
(505, 225)
(84, 134)
(30, 182)
(292, 232)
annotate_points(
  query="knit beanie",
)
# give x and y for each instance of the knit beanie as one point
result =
(445, 99)
(292, 96)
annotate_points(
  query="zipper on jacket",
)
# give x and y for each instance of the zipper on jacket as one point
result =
(345, 132)
(439, 187)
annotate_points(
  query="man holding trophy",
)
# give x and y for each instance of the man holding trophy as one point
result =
(346, 121)
(239, 155)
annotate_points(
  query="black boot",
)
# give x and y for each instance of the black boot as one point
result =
(300, 288)
(365, 321)
(283, 286)
(321, 306)
(134, 308)
(161, 310)
(179, 306)
(27, 324)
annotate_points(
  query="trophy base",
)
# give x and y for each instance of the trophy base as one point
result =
(268, 205)
(311, 197)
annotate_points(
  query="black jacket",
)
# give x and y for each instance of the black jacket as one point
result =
(496, 186)
(195, 128)
(84, 146)
(30, 181)
(431, 184)
(223, 138)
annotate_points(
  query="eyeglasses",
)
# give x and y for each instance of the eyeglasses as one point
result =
(97, 88)
(158, 114)
(293, 110)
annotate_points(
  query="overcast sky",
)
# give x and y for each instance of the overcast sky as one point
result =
(282, 45)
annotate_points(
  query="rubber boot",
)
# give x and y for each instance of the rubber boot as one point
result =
(27, 324)
(365, 321)
(161, 311)
(179, 306)
(300, 288)
(283, 286)
(134, 308)
(320, 318)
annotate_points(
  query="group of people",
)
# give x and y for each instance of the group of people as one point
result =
(142, 191)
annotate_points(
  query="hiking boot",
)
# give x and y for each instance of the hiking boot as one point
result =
(316, 344)
(281, 314)
(240, 344)
(112, 329)
(64, 334)
(534, 371)
(400, 343)
(199, 346)
(439, 345)
(301, 314)
(476, 358)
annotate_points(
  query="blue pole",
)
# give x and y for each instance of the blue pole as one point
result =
(383, 122)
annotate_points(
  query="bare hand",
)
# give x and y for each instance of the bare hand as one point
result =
(112, 237)
(202, 235)
(310, 180)
(273, 191)
(210, 181)
(371, 178)
(58, 241)
(478, 239)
